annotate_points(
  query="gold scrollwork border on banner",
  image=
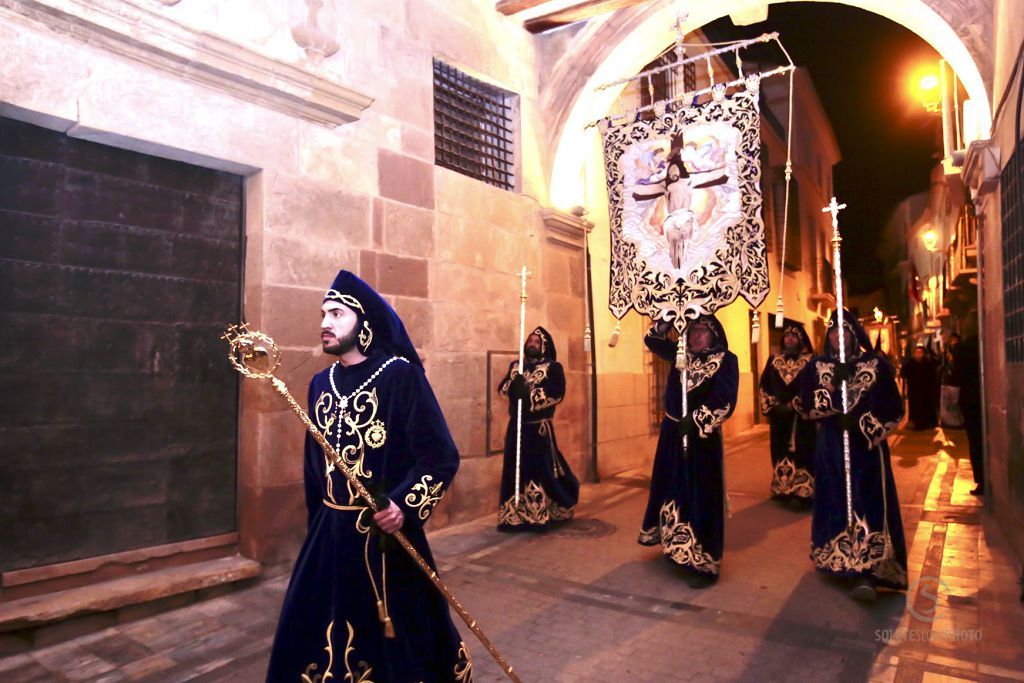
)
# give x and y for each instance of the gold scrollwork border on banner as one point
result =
(740, 267)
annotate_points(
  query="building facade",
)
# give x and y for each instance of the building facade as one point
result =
(321, 126)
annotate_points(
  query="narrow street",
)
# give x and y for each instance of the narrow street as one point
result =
(586, 603)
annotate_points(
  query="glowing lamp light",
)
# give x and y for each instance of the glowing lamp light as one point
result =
(930, 93)
(879, 316)
(931, 239)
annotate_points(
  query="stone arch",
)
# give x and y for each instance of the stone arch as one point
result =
(622, 43)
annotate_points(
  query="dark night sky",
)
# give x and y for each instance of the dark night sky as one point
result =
(861, 64)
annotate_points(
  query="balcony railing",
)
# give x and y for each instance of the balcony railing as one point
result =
(962, 254)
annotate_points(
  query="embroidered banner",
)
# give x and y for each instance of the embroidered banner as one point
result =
(684, 194)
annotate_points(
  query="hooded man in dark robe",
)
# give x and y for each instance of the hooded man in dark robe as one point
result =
(865, 543)
(685, 513)
(792, 436)
(921, 371)
(548, 490)
(358, 608)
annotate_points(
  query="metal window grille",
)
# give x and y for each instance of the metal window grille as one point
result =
(473, 127)
(689, 77)
(1012, 187)
(657, 380)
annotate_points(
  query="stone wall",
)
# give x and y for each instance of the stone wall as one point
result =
(1003, 383)
(328, 114)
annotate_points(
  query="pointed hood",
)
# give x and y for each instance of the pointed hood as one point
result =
(547, 345)
(380, 328)
(851, 323)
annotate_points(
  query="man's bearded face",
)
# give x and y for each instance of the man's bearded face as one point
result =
(791, 341)
(833, 340)
(338, 328)
(533, 344)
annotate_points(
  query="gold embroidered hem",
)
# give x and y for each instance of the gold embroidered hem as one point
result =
(790, 480)
(858, 550)
(679, 542)
(309, 675)
(464, 667)
(535, 507)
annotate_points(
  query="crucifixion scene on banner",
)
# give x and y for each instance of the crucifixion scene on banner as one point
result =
(511, 340)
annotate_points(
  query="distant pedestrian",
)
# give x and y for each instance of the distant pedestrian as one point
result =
(968, 359)
(922, 375)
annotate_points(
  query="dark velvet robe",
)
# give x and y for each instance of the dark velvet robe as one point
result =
(792, 436)
(922, 378)
(874, 546)
(343, 586)
(686, 508)
(548, 490)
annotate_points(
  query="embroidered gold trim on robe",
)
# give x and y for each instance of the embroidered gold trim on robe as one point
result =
(859, 550)
(679, 542)
(788, 368)
(423, 497)
(535, 507)
(873, 429)
(707, 419)
(790, 480)
(767, 401)
(700, 370)
(464, 667)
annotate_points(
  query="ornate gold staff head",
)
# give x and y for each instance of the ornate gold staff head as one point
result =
(252, 353)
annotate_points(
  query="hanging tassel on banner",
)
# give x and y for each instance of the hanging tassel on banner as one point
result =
(755, 327)
(778, 314)
(587, 338)
(614, 339)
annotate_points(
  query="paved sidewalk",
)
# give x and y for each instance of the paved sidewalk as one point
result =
(586, 603)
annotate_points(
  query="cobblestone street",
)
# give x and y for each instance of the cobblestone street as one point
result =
(586, 603)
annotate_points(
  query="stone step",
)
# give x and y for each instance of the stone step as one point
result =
(42, 620)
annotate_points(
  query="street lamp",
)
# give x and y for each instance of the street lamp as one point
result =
(930, 93)
(931, 239)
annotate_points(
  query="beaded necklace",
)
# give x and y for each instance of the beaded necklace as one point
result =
(343, 401)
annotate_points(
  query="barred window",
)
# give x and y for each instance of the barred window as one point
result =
(473, 127)
(1012, 186)
(689, 77)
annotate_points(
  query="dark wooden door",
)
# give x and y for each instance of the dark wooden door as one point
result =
(118, 410)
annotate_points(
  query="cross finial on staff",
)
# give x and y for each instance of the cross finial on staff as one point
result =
(834, 209)
(523, 274)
